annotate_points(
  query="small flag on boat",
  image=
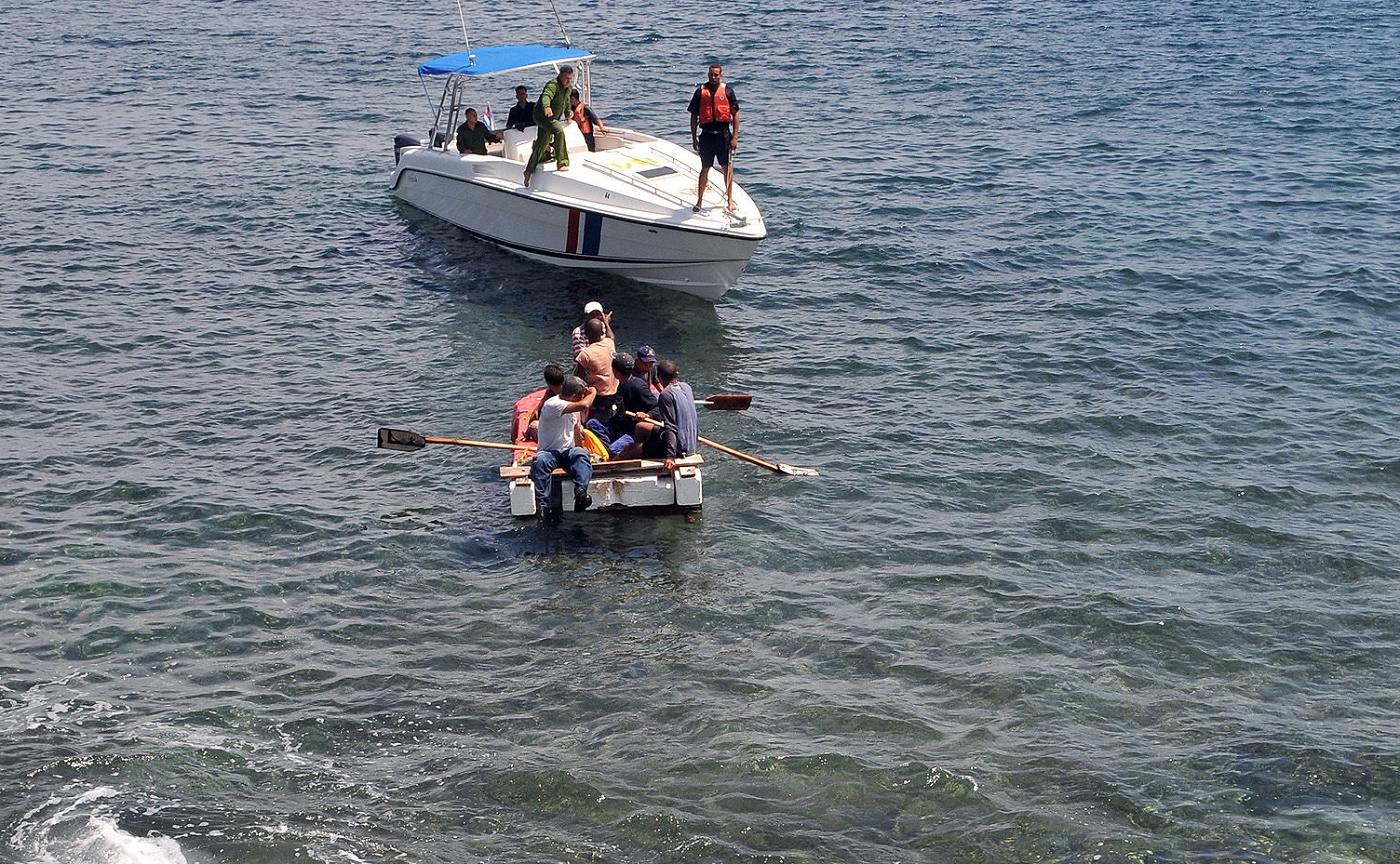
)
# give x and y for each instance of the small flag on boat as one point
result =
(486, 118)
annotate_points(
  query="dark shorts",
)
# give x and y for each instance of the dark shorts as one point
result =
(655, 445)
(714, 147)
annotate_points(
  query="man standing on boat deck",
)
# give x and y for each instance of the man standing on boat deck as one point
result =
(714, 131)
(586, 120)
(559, 432)
(551, 111)
(522, 113)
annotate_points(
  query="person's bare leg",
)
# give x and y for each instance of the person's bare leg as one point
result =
(700, 197)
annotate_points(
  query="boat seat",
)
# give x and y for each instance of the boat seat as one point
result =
(574, 139)
(519, 142)
(491, 149)
(607, 140)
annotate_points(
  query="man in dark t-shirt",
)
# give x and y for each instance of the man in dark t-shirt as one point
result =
(522, 113)
(634, 396)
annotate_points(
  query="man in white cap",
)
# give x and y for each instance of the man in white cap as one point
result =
(591, 309)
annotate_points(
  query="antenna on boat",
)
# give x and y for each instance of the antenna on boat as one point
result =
(560, 21)
(465, 38)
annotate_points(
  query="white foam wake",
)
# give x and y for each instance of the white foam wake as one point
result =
(83, 832)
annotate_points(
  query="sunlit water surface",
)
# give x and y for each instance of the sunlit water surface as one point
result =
(1086, 313)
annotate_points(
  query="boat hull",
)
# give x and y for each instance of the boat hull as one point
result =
(588, 218)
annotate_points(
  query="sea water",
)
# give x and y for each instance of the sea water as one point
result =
(1086, 313)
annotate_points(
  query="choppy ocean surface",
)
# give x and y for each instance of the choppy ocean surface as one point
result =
(1087, 313)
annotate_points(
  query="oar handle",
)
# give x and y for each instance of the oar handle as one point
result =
(462, 442)
(715, 444)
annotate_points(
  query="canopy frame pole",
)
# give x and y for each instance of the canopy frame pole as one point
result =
(456, 106)
(438, 138)
(559, 20)
(461, 16)
(428, 97)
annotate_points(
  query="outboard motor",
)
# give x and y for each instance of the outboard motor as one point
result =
(403, 142)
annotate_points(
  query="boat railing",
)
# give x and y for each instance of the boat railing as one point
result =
(640, 183)
(684, 167)
(676, 164)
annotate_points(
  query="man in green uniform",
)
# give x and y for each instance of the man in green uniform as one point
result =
(472, 136)
(551, 111)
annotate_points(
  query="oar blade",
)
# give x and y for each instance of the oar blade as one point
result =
(400, 439)
(797, 472)
(728, 402)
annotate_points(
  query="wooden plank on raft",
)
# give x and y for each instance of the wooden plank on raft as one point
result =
(511, 472)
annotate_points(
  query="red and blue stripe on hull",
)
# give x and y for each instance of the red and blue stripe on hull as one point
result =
(585, 232)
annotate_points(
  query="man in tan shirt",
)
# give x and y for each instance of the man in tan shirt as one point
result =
(595, 367)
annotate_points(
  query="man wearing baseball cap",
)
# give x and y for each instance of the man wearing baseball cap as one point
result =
(591, 309)
(646, 367)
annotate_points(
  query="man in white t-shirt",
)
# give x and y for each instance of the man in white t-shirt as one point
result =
(559, 431)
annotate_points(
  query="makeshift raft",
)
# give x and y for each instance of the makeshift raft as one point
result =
(629, 483)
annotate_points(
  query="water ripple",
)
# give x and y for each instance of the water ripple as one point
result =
(1084, 314)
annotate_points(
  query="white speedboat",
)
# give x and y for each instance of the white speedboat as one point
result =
(625, 209)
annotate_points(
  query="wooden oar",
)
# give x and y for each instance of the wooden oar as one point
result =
(726, 402)
(407, 440)
(775, 467)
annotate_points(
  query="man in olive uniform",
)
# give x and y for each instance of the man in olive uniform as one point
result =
(473, 136)
(551, 111)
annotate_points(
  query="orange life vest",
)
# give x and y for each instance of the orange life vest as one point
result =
(581, 119)
(714, 107)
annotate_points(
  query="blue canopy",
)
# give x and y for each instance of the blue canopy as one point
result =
(500, 58)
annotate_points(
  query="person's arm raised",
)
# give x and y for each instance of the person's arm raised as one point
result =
(583, 404)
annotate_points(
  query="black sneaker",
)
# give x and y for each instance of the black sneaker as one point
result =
(582, 502)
